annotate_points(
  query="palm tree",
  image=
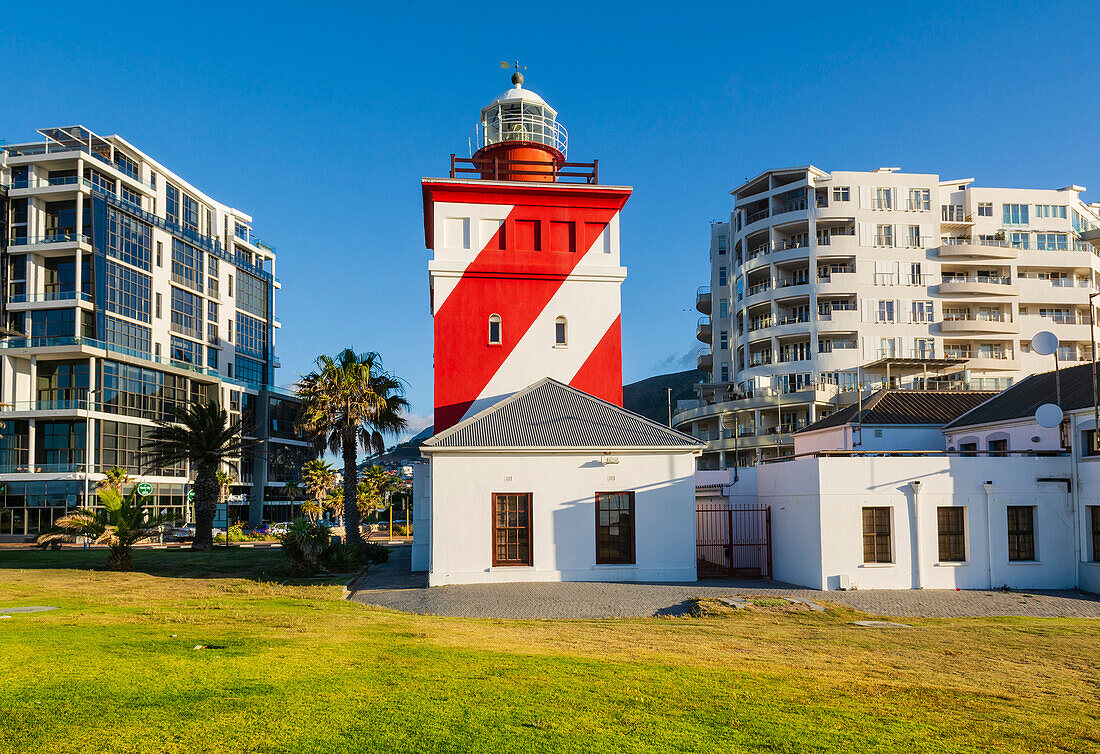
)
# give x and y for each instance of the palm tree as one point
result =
(348, 402)
(120, 524)
(114, 478)
(226, 479)
(204, 437)
(319, 477)
(382, 483)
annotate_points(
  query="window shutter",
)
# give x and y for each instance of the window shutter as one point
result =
(866, 233)
(864, 197)
(896, 199)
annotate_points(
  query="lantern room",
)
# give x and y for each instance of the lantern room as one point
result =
(519, 137)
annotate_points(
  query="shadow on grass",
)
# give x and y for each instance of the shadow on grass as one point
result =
(254, 564)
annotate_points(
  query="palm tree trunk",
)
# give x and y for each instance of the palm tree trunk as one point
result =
(120, 559)
(206, 504)
(351, 504)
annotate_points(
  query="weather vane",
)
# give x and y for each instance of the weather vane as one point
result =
(517, 77)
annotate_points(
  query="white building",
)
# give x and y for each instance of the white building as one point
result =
(553, 484)
(889, 420)
(128, 293)
(928, 522)
(821, 281)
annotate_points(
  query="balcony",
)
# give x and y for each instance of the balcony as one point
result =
(980, 285)
(758, 288)
(796, 206)
(702, 299)
(703, 330)
(977, 326)
(954, 214)
(839, 319)
(50, 238)
(755, 216)
(705, 359)
(66, 341)
(954, 248)
(1004, 363)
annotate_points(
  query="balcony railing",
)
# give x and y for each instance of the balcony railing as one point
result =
(50, 147)
(824, 273)
(795, 206)
(50, 238)
(30, 298)
(978, 279)
(758, 288)
(756, 216)
(958, 241)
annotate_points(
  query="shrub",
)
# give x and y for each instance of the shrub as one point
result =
(342, 558)
(306, 545)
(375, 553)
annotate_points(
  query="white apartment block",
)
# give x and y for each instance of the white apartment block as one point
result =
(822, 282)
(127, 292)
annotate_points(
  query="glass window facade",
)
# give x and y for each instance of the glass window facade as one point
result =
(120, 444)
(251, 336)
(187, 265)
(61, 381)
(251, 294)
(283, 416)
(186, 313)
(250, 370)
(128, 291)
(136, 337)
(53, 323)
(128, 239)
(146, 393)
(190, 219)
(172, 203)
(14, 445)
(59, 443)
(185, 351)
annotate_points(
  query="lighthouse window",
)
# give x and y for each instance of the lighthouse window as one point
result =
(494, 330)
(563, 236)
(528, 235)
(559, 331)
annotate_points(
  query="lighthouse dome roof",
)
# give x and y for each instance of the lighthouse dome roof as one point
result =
(518, 94)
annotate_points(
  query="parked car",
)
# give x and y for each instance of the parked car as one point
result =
(279, 529)
(179, 532)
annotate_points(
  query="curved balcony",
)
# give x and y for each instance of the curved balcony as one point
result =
(979, 286)
(791, 254)
(703, 330)
(838, 246)
(979, 364)
(977, 326)
(837, 283)
(705, 359)
(702, 299)
(958, 248)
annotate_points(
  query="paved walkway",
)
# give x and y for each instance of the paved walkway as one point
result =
(392, 585)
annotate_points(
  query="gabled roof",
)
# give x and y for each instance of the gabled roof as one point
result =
(900, 407)
(1020, 400)
(550, 414)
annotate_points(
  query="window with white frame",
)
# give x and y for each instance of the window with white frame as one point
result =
(951, 532)
(1051, 241)
(1051, 210)
(494, 330)
(842, 194)
(723, 276)
(913, 238)
(1015, 214)
(924, 348)
(884, 235)
(922, 311)
(985, 209)
(920, 200)
(724, 339)
(885, 311)
(883, 198)
(1021, 240)
(876, 535)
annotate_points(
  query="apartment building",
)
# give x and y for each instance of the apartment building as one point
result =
(127, 293)
(823, 283)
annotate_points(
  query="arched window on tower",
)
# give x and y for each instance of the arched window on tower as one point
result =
(494, 330)
(560, 332)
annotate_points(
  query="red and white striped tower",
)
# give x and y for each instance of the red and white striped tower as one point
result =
(525, 275)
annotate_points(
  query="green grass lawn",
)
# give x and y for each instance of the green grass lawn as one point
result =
(292, 667)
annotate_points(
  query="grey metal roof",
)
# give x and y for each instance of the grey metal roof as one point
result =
(888, 407)
(1020, 400)
(550, 414)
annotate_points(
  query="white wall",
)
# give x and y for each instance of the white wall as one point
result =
(563, 536)
(821, 499)
(891, 437)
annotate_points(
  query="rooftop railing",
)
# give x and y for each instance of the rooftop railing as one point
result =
(49, 238)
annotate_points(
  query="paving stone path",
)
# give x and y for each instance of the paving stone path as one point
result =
(392, 585)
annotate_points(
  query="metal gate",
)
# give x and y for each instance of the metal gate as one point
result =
(732, 540)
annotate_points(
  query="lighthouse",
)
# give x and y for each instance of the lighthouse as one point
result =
(525, 274)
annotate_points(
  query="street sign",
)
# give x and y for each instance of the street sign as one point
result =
(144, 489)
(190, 495)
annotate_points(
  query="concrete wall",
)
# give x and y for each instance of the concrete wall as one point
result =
(820, 500)
(563, 487)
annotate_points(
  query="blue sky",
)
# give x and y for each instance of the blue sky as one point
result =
(320, 120)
